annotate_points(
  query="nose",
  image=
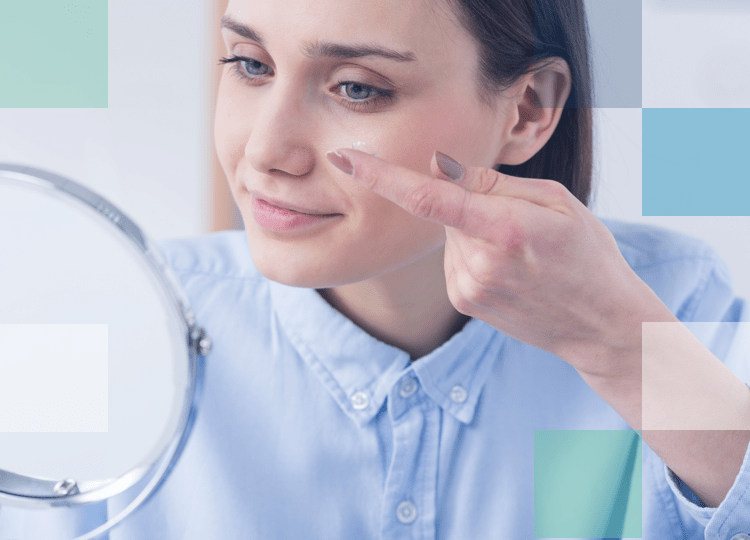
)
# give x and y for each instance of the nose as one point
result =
(281, 133)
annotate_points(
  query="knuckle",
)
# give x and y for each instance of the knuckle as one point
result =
(482, 267)
(423, 202)
(557, 193)
(515, 239)
(464, 210)
(554, 188)
(511, 238)
(368, 177)
(472, 291)
(486, 180)
(461, 304)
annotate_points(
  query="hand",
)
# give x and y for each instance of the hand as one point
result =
(528, 258)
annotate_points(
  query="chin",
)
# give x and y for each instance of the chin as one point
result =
(290, 275)
(272, 271)
(307, 264)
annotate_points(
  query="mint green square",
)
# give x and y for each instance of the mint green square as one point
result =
(587, 484)
(53, 53)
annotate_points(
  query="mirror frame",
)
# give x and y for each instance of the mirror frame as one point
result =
(18, 490)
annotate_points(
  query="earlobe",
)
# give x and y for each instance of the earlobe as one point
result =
(538, 107)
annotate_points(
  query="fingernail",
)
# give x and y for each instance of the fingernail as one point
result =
(341, 161)
(450, 167)
(364, 147)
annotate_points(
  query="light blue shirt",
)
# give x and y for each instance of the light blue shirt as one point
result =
(310, 428)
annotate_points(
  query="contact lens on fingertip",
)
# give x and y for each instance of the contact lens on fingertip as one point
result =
(364, 147)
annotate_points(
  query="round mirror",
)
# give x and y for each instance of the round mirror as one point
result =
(99, 352)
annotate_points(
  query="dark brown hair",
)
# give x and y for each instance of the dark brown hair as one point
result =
(513, 37)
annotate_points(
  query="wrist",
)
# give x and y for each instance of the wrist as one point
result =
(615, 369)
(685, 386)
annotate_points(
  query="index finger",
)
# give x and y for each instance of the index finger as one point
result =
(419, 194)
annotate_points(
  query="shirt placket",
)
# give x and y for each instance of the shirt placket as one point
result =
(408, 510)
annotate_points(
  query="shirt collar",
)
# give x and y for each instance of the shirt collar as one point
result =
(454, 374)
(359, 371)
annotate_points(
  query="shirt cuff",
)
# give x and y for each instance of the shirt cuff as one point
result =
(689, 500)
(730, 518)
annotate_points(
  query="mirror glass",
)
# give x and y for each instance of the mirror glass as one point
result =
(97, 375)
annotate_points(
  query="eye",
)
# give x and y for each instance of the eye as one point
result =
(356, 96)
(247, 68)
(358, 91)
(363, 97)
(254, 67)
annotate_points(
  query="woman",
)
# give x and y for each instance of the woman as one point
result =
(384, 357)
(345, 436)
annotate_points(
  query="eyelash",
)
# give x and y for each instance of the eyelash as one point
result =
(382, 96)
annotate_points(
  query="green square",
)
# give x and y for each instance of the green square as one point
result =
(53, 53)
(587, 484)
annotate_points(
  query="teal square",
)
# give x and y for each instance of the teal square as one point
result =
(587, 484)
(694, 162)
(53, 54)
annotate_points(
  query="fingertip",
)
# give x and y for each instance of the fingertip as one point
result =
(339, 151)
(365, 147)
(449, 167)
(341, 160)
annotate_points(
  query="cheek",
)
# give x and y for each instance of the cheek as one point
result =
(222, 126)
(430, 127)
(229, 137)
(390, 233)
(455, 125)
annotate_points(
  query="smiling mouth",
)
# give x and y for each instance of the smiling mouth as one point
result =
(282, 220)
(289, 210)
(285, 207)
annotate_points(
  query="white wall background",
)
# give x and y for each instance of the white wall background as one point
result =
(147, 152)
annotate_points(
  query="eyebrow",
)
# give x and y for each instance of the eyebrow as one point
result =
(321, 49)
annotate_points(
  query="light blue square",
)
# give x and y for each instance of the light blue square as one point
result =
(694, 162)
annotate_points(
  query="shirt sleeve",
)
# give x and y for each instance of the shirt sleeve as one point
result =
(733, 514)
(722, 323)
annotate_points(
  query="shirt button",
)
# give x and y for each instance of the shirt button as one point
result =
(408, 387)
(360, 400)
(458, 394)
(406, 512)
(741, 536)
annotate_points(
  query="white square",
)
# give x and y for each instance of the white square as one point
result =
(695, 54)
(54, 378)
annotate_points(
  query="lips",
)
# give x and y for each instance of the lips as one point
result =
(289, 206)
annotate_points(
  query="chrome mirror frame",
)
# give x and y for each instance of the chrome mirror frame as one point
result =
(32, 492)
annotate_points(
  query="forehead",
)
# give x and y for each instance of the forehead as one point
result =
(427, 28)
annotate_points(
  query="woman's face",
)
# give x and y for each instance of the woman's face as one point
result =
(306, 86)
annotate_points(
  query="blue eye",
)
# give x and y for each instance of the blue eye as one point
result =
(363, 97)
(254, 67)
(356, 96)
(358, 91)
(247, 67)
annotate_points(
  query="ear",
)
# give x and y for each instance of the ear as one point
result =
(535, 110)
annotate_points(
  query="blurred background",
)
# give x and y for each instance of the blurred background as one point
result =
(151, 153)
